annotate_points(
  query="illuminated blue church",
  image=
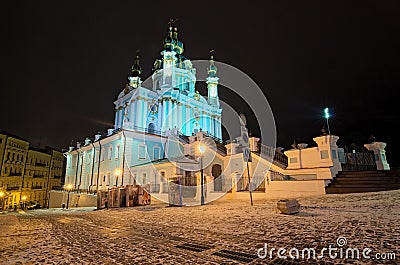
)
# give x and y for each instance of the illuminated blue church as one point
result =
(145, 118)
(173, 101)
(166, 133)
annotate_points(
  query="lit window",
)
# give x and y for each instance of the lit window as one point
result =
(324, 154)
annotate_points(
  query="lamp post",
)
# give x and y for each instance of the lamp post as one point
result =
(327, 116)
(2, 200)
(68, 188)
(201, 149)
(23, 201)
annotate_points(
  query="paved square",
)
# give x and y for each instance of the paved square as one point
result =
(228, 232)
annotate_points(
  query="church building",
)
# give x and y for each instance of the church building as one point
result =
(167, 134)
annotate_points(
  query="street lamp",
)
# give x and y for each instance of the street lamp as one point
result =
(2, 202)
(68, 188)
(327, 116)
(23, 201)
(201, 149)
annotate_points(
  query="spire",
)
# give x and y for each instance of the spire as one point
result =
(212, 70)
(212, 82)
(168, 42)
(136, 69)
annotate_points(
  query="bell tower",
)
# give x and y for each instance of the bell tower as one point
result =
(212, 82)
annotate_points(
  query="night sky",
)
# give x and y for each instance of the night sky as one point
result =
(63, 63)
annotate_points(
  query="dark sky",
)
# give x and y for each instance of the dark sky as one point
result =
(64, 62)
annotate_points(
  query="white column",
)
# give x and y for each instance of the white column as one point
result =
(139, 113)
(160, 115)
(132, 116)
(212, 131)
(179, 122)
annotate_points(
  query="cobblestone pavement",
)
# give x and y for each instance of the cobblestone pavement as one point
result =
(227, 232)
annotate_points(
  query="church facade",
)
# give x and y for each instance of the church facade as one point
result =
(167, 133)
(145, 118)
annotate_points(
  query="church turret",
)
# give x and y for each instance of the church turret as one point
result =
(168, 42)
(136, 71)
(178, 45)
(212, 82)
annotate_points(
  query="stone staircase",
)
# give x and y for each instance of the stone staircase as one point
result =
(364, 181)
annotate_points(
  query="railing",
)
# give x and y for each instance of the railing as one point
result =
(359, 161)
(216, 139)
(15, 174)
(165, 133)
(271, 153)
(13, 188)
(149, 131)
(279, 176)
(36, 187)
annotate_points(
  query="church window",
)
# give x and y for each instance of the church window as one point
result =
(117, 152)
(108, 179)
(156, 152)
(109, 153)
(144, 178)
(96, 155)
(324, 154)
(103, 150)
(142, 151)
(153, 108)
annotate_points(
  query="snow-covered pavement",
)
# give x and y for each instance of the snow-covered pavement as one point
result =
(228, 232)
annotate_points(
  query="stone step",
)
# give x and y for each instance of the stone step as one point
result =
(361, 174)
(364, 181)
(367, 185)
(382, 179)
(341, 190)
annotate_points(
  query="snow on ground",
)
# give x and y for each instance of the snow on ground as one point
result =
(153, 234)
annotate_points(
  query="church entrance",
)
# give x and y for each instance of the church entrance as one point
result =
(216, 171)
(189, 185)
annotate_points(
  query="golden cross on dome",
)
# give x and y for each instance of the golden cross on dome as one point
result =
(172, 21)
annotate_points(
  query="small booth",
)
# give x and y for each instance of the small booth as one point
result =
(128, 196)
